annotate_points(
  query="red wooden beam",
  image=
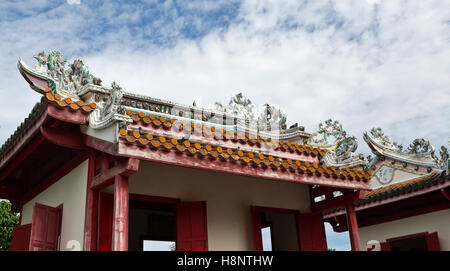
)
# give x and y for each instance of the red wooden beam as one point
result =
(337, 201)
(196, 162)
(65, 115)
(101, 145)
(22, 155)
(106, 178)
(120, 219)
(64, 138)
(352, 224)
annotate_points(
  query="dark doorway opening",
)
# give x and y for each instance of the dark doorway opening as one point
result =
(152, 226)
(275, 229)
(409, 244)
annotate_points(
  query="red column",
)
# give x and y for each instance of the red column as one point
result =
(120, 219)
(90, 224)
(352, 224)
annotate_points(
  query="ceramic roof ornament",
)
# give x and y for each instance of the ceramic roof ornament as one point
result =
(341, 149)
(66, 80)
(420, 152)
(110, 110)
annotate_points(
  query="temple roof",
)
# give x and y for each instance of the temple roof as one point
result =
(133, 124)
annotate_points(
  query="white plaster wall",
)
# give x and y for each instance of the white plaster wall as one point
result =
(437, 221)
(399, 176)
(70, 191)
(228, 198)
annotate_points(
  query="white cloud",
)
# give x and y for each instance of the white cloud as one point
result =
(73, 2)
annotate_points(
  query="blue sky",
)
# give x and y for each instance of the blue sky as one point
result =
(366, 63)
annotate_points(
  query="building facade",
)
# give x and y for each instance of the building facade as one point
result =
(97, 168)
(408, 208)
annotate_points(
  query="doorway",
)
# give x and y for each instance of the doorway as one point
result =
(275, 229)
(156, 224)
(152, 226)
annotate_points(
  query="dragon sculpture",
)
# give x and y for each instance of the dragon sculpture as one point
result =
(419, 148)
(270, 119)
(69, 78)
(343, 147)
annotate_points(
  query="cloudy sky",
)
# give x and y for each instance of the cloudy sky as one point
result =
(366, 63)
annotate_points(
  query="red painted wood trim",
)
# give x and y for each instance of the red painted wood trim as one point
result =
(196, 162)
(28, 149)
(106, 178)
(65, 115)
(141, 197)
(352, 224)
(90, 224)
(63, 138)
(56, 177)
(120, 219)
(100, 145)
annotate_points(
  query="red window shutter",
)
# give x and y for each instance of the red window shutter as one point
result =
(433, 242)
(192, 234)
(20, 240)
(311, 232)
(45, 228)
(385, 246)
(105, 221)
(256, 229)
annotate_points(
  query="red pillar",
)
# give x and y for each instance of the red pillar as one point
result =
(120, 219)
(352, 224)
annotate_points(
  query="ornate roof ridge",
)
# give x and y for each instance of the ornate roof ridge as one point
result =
(420, 151)
(74, 81)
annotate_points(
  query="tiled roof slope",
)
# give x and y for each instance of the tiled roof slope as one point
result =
(216, 151)
(398, 189)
